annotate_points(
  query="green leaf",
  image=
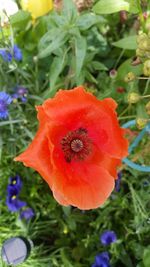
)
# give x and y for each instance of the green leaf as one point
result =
(2, 123)
(90, 77)
(80, 53)
(126, 67)
(98, 65)
(48, 37)
(56, 43)
(133, 6)
(69, 10)
(85, 21)
(20, 19)
(56, 68)
(146, 257)
(110, 6)
(127, 43)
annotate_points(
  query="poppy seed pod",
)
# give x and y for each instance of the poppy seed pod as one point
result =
(146, 68)
(37, 8)
(148, 108)
(133, 98)
(130, 77)
(140, 52)
(141, 123)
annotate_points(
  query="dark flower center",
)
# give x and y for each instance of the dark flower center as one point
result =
(76, 145)
(3, 106)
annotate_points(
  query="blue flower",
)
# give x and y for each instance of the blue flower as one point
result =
(20, 93)
(118, 181)
(17, 53)
(27, 214)
(108, 237)
(13, 202)
(5, 100)
(102, 260)
(15, 182)
(6, 55)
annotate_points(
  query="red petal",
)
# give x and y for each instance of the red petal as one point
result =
(37, 155)
(99, 117)
(84, 184)
(89, 194)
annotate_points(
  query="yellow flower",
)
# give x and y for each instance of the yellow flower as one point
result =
(37, 8)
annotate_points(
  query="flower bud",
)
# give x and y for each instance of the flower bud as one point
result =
(130, 77)
(120, 90)
(113, 73)
(133, 98)
(142, 37)
(136, 61)
(141, 123)
(148, 108)
(146, 68)
(140, 53)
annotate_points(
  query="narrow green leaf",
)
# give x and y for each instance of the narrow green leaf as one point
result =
(85, 21)
(98, 65)
(133, 6)
(55, 70)
(2, 123)
(80, 53)
(55, 44)
(48, 38)
(90, 77)
(20, 19)
(110, 6)
(126, 67)
(146, 257)
(69, 10)
(127, 43)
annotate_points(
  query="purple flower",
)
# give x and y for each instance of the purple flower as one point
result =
(17, 53)
(108, 237)
(102, 260)
(20, 93)
(13, 202)
(27, 214)
(118, 181)
(5, 100)
(15, 182)
(6, 55)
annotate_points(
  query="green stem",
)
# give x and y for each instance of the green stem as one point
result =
(124, 111)
(146, 87)
(120, 56)
(127, 117)
(145, 96)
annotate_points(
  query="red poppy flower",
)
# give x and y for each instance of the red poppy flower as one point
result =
(77, 148)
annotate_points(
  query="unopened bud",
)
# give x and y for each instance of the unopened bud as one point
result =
(148, 108)
(133, 98)
(35, 59)
(123, 16)
(142, 37)
(145, 15)
(120, 90)
(146, 68)
(136, 61)
(141, 123)
(15, 100)
(113, 73)
(140, 53)
(130, 77)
